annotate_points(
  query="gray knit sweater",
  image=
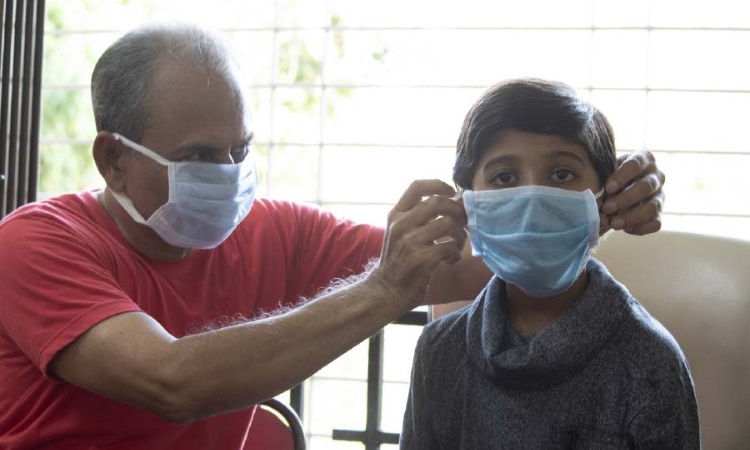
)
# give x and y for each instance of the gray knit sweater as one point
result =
(603, 375)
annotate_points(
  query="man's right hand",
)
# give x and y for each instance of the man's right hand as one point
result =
(425, 229)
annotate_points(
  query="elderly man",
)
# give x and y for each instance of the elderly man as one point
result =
(122, 311)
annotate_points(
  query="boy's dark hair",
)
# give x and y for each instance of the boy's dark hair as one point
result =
(534, 106)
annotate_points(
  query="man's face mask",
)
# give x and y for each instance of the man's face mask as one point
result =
(206, 201)
(538, 238)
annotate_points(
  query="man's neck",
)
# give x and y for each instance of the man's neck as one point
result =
(530, 314)
(141, 237)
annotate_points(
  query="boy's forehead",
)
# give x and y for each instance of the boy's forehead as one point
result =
(514, 144)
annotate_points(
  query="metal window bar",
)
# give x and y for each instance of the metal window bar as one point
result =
(22, 40)
(372, 436)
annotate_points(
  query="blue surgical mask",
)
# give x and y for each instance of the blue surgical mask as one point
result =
(206, 201)
(537, 238)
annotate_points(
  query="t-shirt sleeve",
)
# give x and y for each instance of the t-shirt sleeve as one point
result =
(328, 248)
(53, 285)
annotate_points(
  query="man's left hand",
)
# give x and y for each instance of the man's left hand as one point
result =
(635, 196)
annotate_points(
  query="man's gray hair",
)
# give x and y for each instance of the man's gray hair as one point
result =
(121, 78)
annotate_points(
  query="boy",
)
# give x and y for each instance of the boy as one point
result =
(554, 353)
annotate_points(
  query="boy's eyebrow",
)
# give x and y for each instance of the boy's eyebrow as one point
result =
(565, 153)
(501, 159)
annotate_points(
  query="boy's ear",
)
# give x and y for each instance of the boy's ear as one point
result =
(108, 154)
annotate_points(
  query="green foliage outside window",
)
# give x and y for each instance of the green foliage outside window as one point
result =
(78, 32)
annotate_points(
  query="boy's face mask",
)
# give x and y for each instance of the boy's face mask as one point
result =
(538, 238)
(206, 201)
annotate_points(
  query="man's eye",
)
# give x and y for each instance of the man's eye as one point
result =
(200, 156)
(239, 154)
(560, 175)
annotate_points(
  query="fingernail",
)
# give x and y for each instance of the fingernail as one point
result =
(617, 223)
(611, 187)
(610, 207)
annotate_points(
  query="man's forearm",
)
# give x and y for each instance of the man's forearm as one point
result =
(132, 359)
(234, 367)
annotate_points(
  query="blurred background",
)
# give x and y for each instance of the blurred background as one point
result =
(354, 99)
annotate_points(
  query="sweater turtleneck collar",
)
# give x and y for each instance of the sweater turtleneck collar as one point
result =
(559, 350)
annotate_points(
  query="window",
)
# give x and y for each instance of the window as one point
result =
(352, 100)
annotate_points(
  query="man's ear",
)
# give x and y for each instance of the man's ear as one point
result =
(108, 155)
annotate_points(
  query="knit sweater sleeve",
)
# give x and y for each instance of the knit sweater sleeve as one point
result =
(665, 424)
(666, 418)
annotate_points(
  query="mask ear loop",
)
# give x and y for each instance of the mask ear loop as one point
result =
(604, 236)
(123, 200)
(141, 149)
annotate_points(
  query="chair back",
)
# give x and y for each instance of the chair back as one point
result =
(275, 427)
(698, 287)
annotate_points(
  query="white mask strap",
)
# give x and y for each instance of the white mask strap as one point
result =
(141, 149)
(128, 206)
(599, 194)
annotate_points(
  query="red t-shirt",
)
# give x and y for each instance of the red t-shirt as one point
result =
(64, 267)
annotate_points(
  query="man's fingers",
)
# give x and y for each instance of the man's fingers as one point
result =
(642, 217)
(634, 165)
(440, 230)
(447, 251)
(436, 219)
(633, 194)
(422, 233)
(645, 228)
(427, 211)
(420, 189)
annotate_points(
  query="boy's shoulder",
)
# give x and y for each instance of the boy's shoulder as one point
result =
(646, 339)
(641, 339)
(446, 336)
(449, 324)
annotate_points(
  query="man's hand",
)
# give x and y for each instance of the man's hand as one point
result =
(421, 235)
(635, 196)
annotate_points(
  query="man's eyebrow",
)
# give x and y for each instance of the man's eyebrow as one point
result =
(245, 141)
(191, 149)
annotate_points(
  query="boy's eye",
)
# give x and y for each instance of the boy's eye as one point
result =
(503, 178)
(562, 175)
